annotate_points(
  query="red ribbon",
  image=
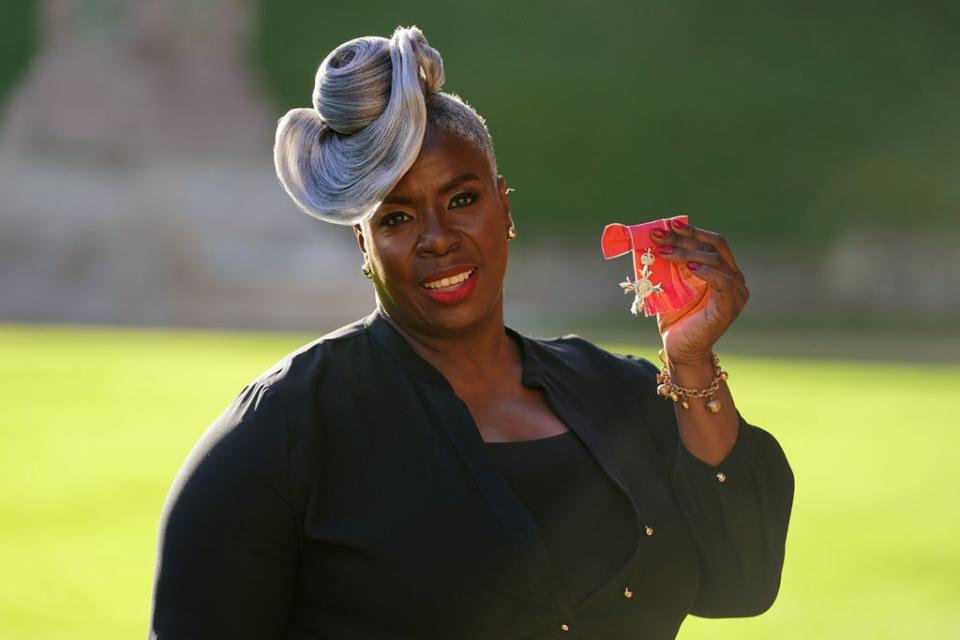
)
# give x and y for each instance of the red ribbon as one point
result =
(619, 239)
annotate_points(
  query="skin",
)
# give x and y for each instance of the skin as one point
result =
(690, 333)
(425, 225)
(435, 228)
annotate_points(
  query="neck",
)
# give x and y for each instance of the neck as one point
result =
(470, 360)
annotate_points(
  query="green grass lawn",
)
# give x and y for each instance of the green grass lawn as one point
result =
(96, 422)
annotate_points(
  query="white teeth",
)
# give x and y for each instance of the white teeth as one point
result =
(447, 282)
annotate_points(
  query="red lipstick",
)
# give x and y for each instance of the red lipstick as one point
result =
(451, 293)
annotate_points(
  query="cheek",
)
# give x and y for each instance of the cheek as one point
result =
(492, 227)
(495, 249)
(389, 254)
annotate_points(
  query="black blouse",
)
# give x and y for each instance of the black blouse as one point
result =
(586, 523)
(346, 493)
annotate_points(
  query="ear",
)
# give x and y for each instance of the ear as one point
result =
(502, 191)
(361, 241)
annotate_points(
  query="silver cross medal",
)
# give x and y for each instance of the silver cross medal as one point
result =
(642, 287)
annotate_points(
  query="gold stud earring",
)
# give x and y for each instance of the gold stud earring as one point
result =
(365, 270)
(511, 233)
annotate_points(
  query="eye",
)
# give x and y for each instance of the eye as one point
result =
(393, 219)
(463, 199)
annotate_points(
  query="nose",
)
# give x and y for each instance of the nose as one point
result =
(437, 236)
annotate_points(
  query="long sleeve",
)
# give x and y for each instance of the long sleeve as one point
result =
(738, 511)
(227, 551)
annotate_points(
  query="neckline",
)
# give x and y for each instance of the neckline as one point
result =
(534, 441)
(396, 345)
(519, 525)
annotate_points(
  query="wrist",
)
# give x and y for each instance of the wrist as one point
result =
(686, 379)
(692, 357)
(694, 373)
(695, 367)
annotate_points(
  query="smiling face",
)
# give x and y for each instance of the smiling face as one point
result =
(437, 245)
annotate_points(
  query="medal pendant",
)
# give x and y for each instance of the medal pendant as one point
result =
(643, 287)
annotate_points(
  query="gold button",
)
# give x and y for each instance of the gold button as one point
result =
(648, 530)
(565, 627)
(721, 476)
(627, 593)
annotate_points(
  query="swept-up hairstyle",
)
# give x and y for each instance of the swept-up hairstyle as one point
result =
(373, 99)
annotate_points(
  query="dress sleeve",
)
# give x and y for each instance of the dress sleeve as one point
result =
(738, 511)
(226, 562)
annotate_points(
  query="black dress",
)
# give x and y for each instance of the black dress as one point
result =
(346, 493)
(585, 522)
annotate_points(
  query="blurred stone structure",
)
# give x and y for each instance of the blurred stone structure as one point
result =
(137, 183)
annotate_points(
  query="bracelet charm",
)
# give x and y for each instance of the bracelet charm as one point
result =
(668, 389)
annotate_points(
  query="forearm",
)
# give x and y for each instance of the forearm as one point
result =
(735, 490)
(708, 436)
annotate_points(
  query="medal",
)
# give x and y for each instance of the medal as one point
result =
(658, 285)
(642, 287)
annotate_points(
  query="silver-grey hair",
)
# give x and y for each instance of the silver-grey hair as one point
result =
(373, 100)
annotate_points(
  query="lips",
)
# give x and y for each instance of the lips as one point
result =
(451, 272)
(450, 285)
(441, 281)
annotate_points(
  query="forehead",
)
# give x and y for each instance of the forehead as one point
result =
(442, 156)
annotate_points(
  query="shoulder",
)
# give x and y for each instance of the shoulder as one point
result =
(282, 397)
(313, 355)
(589, 367)
(269, 416)
(574, 349)
(297, 374)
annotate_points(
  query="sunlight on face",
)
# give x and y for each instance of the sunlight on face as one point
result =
(437, 245)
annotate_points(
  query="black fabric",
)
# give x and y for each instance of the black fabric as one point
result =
(346, 493)
(585, 522)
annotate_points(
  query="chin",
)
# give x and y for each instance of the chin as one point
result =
(459, 322)
(427, 317)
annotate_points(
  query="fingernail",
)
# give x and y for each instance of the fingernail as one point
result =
(660, 233)
(693, 266)
(665, 249)
(679, 224)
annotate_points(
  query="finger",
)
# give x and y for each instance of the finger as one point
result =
(711, 238)
(675, 239)
(682, 255)
(688, 242)
(730, 295)
(700, 290)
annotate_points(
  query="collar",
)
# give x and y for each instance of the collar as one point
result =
(519, 524)
(392, 341)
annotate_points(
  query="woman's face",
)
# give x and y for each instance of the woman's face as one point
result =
(437, 246)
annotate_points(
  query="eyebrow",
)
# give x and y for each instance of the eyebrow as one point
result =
(465, 177)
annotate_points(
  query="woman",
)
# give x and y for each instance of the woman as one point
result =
(427, 472)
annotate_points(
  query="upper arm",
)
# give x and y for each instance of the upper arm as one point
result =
(226, 562)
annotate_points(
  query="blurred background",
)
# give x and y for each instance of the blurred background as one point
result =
(151, 263)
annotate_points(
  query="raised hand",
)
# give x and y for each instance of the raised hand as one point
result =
(707, 265)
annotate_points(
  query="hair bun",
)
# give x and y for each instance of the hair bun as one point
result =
(354, 81)
(368, 124)
(353, 84)
(431, 63)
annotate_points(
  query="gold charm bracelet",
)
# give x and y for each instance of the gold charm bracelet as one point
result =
(668, 389)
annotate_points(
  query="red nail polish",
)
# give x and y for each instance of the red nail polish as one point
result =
(679, 224)
(665, 249)
(693, 266)
(660, 233)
